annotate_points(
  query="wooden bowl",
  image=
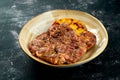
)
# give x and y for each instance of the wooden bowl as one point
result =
(42, 22)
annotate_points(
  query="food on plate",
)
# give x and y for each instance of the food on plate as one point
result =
(65, 42)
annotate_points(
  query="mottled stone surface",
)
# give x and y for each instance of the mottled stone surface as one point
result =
(15, 65)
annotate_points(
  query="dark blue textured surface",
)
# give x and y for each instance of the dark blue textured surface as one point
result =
(15, 65)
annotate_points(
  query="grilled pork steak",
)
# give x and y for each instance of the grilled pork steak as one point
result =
(63, 43)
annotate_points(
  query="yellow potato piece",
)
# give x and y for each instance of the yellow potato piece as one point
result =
(75, 24)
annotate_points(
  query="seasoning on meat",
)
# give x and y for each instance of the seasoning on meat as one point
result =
(65, 42)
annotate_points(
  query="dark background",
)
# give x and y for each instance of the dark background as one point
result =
(15, 65)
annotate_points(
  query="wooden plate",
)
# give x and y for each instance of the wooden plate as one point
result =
(42, 22)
